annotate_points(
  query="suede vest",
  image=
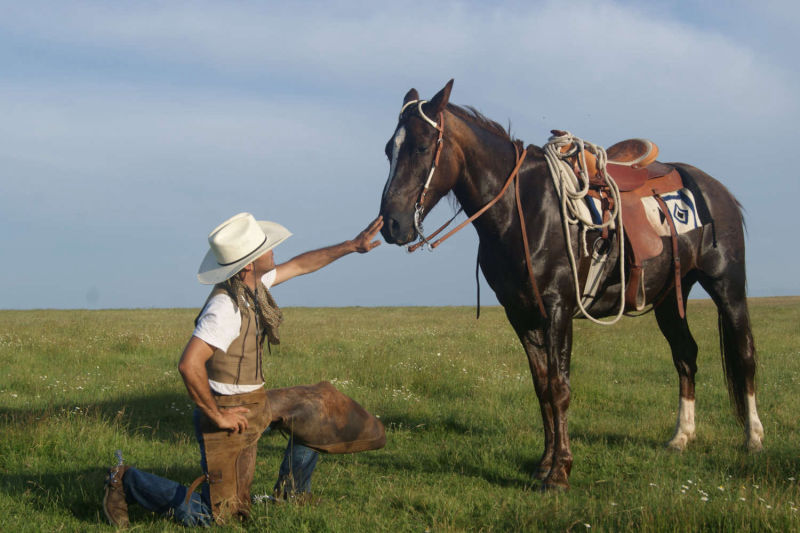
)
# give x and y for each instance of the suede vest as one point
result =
(241, 363)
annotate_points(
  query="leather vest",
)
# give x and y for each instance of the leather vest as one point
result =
(241, 363)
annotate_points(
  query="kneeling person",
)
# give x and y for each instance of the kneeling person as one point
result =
(221, 367)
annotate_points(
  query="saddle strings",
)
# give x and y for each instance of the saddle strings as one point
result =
(572, 193)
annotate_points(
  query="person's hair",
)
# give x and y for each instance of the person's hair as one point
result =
(268, 314)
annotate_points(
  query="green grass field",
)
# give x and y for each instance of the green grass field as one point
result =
(463, 425)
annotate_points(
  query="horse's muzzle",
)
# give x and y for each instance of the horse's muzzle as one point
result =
(398, 228)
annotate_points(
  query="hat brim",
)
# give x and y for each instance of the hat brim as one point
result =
(211, 272)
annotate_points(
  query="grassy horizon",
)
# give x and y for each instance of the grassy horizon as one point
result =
(462, 419)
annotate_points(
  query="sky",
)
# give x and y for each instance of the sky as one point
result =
(129, 130)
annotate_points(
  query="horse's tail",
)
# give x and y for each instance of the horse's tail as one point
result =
(735, 371)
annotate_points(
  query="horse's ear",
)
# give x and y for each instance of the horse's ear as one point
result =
(438, 102)
(411, 95)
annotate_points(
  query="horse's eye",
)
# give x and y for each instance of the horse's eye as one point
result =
(422, 149)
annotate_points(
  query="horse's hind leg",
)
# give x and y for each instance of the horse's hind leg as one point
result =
(738, 349)
(684, 356)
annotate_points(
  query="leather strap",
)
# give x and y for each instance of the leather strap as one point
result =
(528, 263)
(196, 483)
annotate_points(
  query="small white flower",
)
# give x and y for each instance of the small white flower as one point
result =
(704, 498)
(743, 499)
(721, 488)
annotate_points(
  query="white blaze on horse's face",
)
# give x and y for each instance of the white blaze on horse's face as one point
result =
(399, 137)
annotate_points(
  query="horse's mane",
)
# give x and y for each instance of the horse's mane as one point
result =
(470, 114)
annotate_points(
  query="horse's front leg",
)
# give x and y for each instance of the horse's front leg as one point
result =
(548, 350)
(533, 342)
(558, 344)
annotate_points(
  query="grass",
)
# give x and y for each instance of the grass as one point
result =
(463, 425)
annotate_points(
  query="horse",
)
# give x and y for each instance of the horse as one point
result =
(439, 148)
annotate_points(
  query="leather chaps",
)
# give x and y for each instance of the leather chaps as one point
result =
(317, 416)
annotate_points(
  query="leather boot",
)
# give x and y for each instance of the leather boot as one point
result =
(114, 504)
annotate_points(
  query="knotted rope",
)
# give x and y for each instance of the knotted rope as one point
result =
(572, 191)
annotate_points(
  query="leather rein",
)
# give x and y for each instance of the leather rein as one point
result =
(419, 209)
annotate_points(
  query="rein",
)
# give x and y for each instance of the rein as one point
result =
(514, 176)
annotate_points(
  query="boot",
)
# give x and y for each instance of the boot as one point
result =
(114, 504)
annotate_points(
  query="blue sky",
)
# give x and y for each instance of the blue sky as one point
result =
(129, 130)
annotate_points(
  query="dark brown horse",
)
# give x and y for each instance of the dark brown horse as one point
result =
(475, 160)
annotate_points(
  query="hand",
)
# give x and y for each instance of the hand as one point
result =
(232, 419)
(363, 241)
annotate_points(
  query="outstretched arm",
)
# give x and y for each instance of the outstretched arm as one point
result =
(192, 367)
(316, 259)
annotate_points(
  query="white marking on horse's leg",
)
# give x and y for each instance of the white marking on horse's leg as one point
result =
(399, 137)
(684, 429)
(753, 428)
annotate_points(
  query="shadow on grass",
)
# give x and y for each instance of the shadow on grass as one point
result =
(79, 492)
(153, 415)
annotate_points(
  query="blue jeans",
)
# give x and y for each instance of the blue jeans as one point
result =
(167, 497)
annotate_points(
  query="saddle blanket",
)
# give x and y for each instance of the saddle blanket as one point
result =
(681, 205)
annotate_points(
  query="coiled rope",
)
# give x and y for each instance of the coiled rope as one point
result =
(572, 191)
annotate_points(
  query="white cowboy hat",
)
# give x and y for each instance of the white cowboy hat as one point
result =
(238, 241)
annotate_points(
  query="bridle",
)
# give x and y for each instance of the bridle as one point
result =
(418, 206)
(419, 209)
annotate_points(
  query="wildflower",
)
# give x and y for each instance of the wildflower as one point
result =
(721, 488)
(704, 498)
(743, 499)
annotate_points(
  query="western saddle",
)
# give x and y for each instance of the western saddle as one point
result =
(632, 165)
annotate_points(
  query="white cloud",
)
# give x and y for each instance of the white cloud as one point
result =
(189, 109)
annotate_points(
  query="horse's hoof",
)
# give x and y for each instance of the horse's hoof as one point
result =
(755, 446)
(678, 444)
(541, 474)
(553, 486)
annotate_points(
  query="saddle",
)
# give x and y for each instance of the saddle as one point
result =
(633, 167)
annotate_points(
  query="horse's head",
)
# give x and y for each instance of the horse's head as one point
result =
(412, 153)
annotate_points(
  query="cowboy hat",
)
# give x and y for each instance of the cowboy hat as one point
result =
(235, 243)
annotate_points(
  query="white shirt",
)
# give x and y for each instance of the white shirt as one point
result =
(218, 325)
